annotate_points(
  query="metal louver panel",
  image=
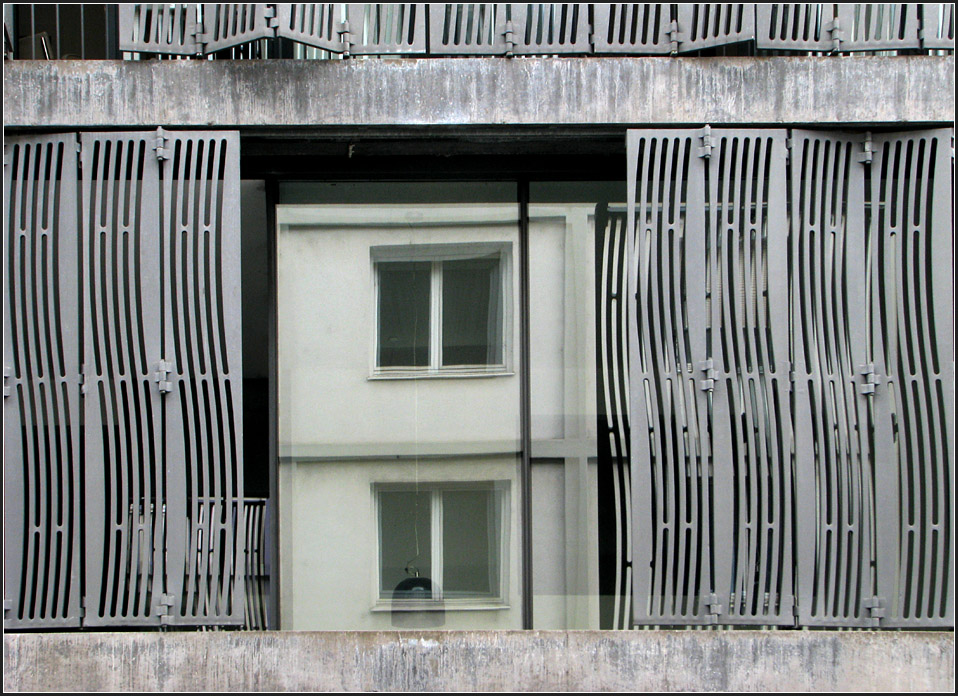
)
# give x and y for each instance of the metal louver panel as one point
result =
(158, 28)
(231, 24)
(747, 343)
(548, 28)
(201, 335)
(795, 27)
(834, 460)
(703, 25)
(125, 489)
(257, 572)
(633, 28)
(910, 226)
(41, 398)
(672, 482)
(612, 386)
(467, 28)
(877, 26)
(938, 25)
(386, 28)
(314, 24)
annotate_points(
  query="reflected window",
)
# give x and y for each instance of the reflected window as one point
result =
(441, 541)
(441, 307)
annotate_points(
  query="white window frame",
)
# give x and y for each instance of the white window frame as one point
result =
(436, 254)
(439, 602)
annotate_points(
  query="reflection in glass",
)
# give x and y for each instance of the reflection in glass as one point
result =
(404, 313)
(471, 312)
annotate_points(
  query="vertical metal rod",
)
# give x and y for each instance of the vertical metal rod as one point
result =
(56, 10)
(82, 34)
(525, 407)
(272, 519)
(33, 32)
(111, 33)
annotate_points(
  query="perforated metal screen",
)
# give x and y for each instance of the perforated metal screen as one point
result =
(791, 361)
(122, 408)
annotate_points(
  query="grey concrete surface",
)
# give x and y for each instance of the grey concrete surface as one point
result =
(480, 92)
(481, 661)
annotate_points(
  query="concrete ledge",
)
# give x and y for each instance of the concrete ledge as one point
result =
(478, 661)
(480, 91)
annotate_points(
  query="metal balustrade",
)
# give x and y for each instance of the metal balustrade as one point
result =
(256, 30)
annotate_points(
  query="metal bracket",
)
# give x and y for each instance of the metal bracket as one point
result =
(82, 382)
(272, 20)
(159, 145)
(7, 606)
(708, 382)
(162, 376)
(7, 374)
(164, 608)
(714, 605)
(876, 608)
(834, 28)
(869, 380)
(788, 148)
(705, 135)
(510, 38)
(674, 35)
(868, 149)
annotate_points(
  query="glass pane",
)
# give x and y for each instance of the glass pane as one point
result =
(471, 312)
(405, 559)
(470, 543)
(580, 550)
(362, 429)
(404, 313)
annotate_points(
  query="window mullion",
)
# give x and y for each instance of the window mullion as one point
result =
(437, 569)
(435, 317)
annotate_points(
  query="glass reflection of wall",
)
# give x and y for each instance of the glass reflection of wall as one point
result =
(399, 424)
(580, 549)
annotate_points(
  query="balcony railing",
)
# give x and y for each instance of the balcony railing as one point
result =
(342, 30)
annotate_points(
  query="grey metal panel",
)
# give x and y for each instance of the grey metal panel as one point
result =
(231, 24)
(938, 25)
(703, 25)
(256, 572)
(795, 26)
(833, 455)
(200, 236)
(467, 29)
(910, 213)
(747, 343)
(548, 28)
(640, 28)
(316, 24)
(612, 381)
(158, 28)
(875, 26)
(41, 399)
(386, 28)
(672, 481)
(124, 484)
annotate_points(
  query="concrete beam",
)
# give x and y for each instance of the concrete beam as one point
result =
(481, 660)
(480, 92)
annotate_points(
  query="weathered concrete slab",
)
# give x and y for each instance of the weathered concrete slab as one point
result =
(477, 661)
(480, 91)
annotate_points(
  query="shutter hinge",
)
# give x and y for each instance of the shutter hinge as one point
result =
(868, 149)
(272, 19)
(510, 38)
(164, 608)
(159, 145)
(791, 380)
(714, 606)
(82, 382)
(346, 37)
(834, 28)
(162, 376)
(876, 608)
(705, 135)
(674, 35)
(788, 149)
(707, 383)
(869, 380)
(7, 374)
